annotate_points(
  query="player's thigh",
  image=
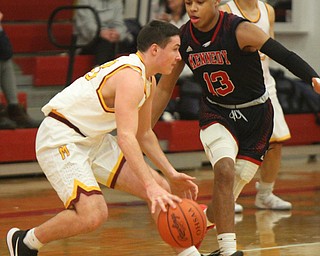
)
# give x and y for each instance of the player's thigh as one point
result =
(218, 143)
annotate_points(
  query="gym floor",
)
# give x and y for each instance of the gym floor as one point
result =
(28, 201)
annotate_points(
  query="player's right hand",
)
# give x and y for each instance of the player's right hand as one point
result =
(316, 84)
(160, 197)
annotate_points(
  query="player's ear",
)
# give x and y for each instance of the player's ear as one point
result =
(154, 48)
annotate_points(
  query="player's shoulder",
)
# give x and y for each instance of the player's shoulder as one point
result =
(269, 7)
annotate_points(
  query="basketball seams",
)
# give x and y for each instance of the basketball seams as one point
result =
(169, 227)
(182, 226)
(187, 223)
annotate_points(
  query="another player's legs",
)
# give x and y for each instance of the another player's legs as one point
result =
(222, 154)
(270, 167)
(265, 199)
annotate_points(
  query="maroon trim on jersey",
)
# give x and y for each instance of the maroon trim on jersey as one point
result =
(218, 26)
(66, 122)
(250, 159)
(114, 180)
(80, 191)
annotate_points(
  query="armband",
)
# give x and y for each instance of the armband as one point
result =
(294, 63)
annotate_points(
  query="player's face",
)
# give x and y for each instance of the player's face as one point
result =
(169, 56)
(203, 13)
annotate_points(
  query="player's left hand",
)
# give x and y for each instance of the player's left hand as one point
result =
(183, 186)
(316, 84)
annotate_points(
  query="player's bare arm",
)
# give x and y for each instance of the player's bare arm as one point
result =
(250, 37)
(164, 91)
(128, 93)
(181, 184)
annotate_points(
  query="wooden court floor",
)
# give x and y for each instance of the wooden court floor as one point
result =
(26, 202)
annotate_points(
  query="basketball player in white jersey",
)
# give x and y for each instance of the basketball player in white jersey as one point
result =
(76, 150)
(263, 15)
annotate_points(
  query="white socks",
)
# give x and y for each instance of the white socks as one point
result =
(265, 188)
(32, 241)
(227, 243)
(191, 251)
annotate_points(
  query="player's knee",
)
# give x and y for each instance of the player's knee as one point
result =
(224, 171)
(92, 212)
(95, 218)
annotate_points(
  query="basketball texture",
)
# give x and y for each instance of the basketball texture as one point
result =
(183, 226)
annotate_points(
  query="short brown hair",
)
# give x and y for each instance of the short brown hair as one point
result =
(156, 32)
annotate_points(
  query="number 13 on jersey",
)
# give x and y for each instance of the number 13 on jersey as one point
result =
(222, 78)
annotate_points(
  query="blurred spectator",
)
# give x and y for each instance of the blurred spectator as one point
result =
(14, 115)
(173, 11)
(114, 36)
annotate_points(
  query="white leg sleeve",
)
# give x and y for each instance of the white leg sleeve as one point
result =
(218, 143)
(245, 171)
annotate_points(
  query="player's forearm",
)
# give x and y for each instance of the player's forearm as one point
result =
(164, 92)
(160, 102)
(151, 147)
(290, 60)
(134, 157)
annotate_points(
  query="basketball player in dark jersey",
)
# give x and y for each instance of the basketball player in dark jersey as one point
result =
(236, 116)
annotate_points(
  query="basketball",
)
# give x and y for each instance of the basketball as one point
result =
(183, 226)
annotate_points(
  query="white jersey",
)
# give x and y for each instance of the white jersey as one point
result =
(280, 131)
(82, 103)
(263, 23)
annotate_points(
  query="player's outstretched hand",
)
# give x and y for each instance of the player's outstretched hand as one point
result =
(160, 197)
(316, 84)
(182, 185)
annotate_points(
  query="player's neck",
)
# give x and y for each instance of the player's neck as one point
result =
(249, 9)
(247, 4)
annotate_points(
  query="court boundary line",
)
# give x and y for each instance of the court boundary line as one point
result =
(281, 247)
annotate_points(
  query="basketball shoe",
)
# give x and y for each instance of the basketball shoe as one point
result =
(238, 208)
(218, 253)
(16, 245)
(267, 200)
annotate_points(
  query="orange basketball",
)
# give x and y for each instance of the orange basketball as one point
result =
(183, 226)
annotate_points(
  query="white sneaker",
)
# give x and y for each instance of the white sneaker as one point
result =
(238, 208)
(270, 201)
